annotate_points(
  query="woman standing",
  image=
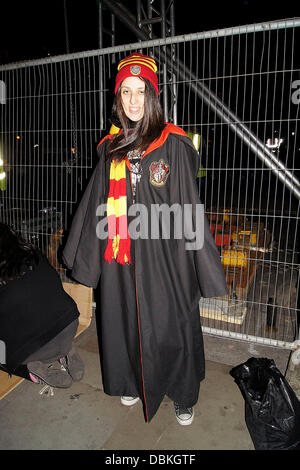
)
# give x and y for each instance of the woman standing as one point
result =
(151, 277)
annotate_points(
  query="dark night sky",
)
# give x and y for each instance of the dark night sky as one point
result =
(34, 29)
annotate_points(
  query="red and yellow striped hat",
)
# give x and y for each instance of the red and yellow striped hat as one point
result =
(137, 65)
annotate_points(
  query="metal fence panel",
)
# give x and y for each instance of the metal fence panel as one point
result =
(237, 92)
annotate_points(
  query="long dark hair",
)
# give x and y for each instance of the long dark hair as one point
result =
(16, 255)
(137, 135)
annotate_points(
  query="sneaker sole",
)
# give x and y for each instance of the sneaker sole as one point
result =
(185, 422)
(129, 402)
(41, 381)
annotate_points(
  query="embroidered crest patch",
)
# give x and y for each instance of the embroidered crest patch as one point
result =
(159, 172)
(135, 69)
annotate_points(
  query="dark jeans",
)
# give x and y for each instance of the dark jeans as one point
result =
(57, 347)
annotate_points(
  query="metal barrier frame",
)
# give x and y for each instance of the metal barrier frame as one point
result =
(226, 115)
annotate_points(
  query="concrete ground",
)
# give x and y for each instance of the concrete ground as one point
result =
(83, 417)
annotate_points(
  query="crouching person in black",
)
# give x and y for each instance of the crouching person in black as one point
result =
(38, 319)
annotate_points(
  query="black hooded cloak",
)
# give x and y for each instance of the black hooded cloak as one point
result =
(151, 339)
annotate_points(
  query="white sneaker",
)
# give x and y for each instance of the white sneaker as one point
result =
(184, 416)
(129, 401)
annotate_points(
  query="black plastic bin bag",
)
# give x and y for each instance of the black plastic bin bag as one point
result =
(272, 409)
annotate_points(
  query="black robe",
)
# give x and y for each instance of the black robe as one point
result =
(151, 339)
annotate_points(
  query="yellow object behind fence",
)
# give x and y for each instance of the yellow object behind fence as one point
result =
(246, 237)
(234, 258)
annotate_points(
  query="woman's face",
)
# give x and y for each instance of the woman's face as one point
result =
(133, 97)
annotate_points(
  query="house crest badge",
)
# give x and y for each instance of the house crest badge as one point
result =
(159, 172)
(135, 70)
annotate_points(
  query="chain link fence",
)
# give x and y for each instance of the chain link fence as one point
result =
(236, 92)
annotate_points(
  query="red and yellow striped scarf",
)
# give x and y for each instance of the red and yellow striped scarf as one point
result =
(118, 245)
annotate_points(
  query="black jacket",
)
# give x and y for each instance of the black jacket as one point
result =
(33, 310)
(151, 340)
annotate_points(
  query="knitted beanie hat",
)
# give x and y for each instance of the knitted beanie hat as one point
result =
(137, 65)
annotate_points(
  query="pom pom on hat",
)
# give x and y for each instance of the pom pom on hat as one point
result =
(137, 65)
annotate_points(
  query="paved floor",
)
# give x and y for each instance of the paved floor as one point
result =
(84, 418)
